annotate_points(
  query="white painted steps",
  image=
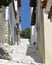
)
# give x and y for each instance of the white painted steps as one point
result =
(23, 54)
(6, 62)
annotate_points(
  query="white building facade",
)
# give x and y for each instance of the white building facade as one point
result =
(44, 23)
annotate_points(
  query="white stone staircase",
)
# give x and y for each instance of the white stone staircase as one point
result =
(23, 54)
(6, 62)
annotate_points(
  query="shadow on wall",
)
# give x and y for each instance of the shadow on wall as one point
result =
(33, 52)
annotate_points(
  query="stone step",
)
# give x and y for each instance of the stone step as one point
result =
(6, 62)
(24, 53)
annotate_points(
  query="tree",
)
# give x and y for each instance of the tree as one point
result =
(26, 33)
(0, 3)
(4, 2)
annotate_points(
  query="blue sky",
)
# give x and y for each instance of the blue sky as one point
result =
(25, 14)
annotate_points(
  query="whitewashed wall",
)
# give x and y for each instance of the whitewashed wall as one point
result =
(33, 31)
(33, 34)
(12, 19)
(48, 39)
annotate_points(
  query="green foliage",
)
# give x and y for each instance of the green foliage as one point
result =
(9, 42)
(26, 33)
(0, 3)
(8, 58)
(4, 2)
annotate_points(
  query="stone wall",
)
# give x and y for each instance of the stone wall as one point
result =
(2, 25)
